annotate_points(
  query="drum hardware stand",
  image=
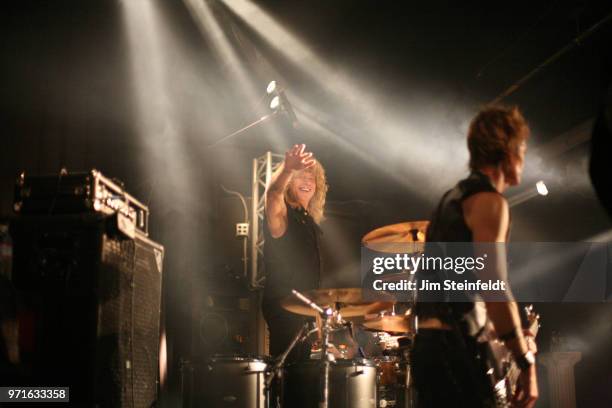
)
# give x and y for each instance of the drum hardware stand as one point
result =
(326, 358)
(328, 316)
(281, 360)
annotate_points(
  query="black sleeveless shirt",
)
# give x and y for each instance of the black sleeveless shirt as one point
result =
(448, 225)
(292, 261)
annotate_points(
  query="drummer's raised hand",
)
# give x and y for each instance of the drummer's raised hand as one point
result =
(297, 158)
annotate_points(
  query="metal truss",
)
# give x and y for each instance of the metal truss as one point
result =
(263, 168)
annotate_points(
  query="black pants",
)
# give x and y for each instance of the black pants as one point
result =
(447, 371)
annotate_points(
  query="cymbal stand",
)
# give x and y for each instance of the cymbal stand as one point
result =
(299, 336)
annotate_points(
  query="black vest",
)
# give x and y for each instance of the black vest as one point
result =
(292, 261)
(448, 225)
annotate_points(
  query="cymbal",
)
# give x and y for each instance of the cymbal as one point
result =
(384, 238)
(389, 324)
(348, 301)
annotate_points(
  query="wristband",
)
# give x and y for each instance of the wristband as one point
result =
(524, 361)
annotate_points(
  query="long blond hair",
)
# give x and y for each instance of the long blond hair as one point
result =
(317, 202)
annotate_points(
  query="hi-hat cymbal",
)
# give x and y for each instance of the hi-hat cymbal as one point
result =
(348, 301)
(389, 324)
(384, 238)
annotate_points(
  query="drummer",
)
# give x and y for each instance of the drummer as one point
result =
(293, 210)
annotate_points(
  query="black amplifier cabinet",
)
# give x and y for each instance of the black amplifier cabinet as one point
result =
(92, 300)
(222, 314)
(74, 193)
(223, 325)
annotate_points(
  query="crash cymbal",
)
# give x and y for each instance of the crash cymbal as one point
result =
(389, 324)
(348, 301)
(394, 237)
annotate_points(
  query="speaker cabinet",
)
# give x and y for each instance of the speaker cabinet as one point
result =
(92, 297)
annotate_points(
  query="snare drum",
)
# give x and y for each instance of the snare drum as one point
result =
(232, 381)
(352, 383)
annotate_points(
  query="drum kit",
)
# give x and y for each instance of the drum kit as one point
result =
(339, 373)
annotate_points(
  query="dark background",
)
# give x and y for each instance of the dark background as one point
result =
(139, 90)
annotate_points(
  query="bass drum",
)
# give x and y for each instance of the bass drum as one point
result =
(231, 381)
(352, 383)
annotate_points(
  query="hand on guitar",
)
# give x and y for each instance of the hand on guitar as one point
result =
(526, 392)
(531, 343)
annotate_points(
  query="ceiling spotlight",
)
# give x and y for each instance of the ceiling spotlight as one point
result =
(541, 187)
(271, 87)
(274, 103)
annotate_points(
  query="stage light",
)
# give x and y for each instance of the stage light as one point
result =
(541, 188)
(275, 104)
(529, 193)
(271, 87)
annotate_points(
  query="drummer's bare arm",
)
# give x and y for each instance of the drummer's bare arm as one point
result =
(487, 216)
(276, 211)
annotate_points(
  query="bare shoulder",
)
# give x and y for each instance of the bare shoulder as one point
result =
(487, 202)
(487, 215)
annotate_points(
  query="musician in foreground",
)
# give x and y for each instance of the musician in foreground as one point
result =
(447, 361)
(294, 206)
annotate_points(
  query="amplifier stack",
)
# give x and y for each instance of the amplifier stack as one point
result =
(90, 283)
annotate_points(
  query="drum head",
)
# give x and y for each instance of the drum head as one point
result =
(238, 358)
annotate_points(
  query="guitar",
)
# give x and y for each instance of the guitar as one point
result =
(502, 370)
